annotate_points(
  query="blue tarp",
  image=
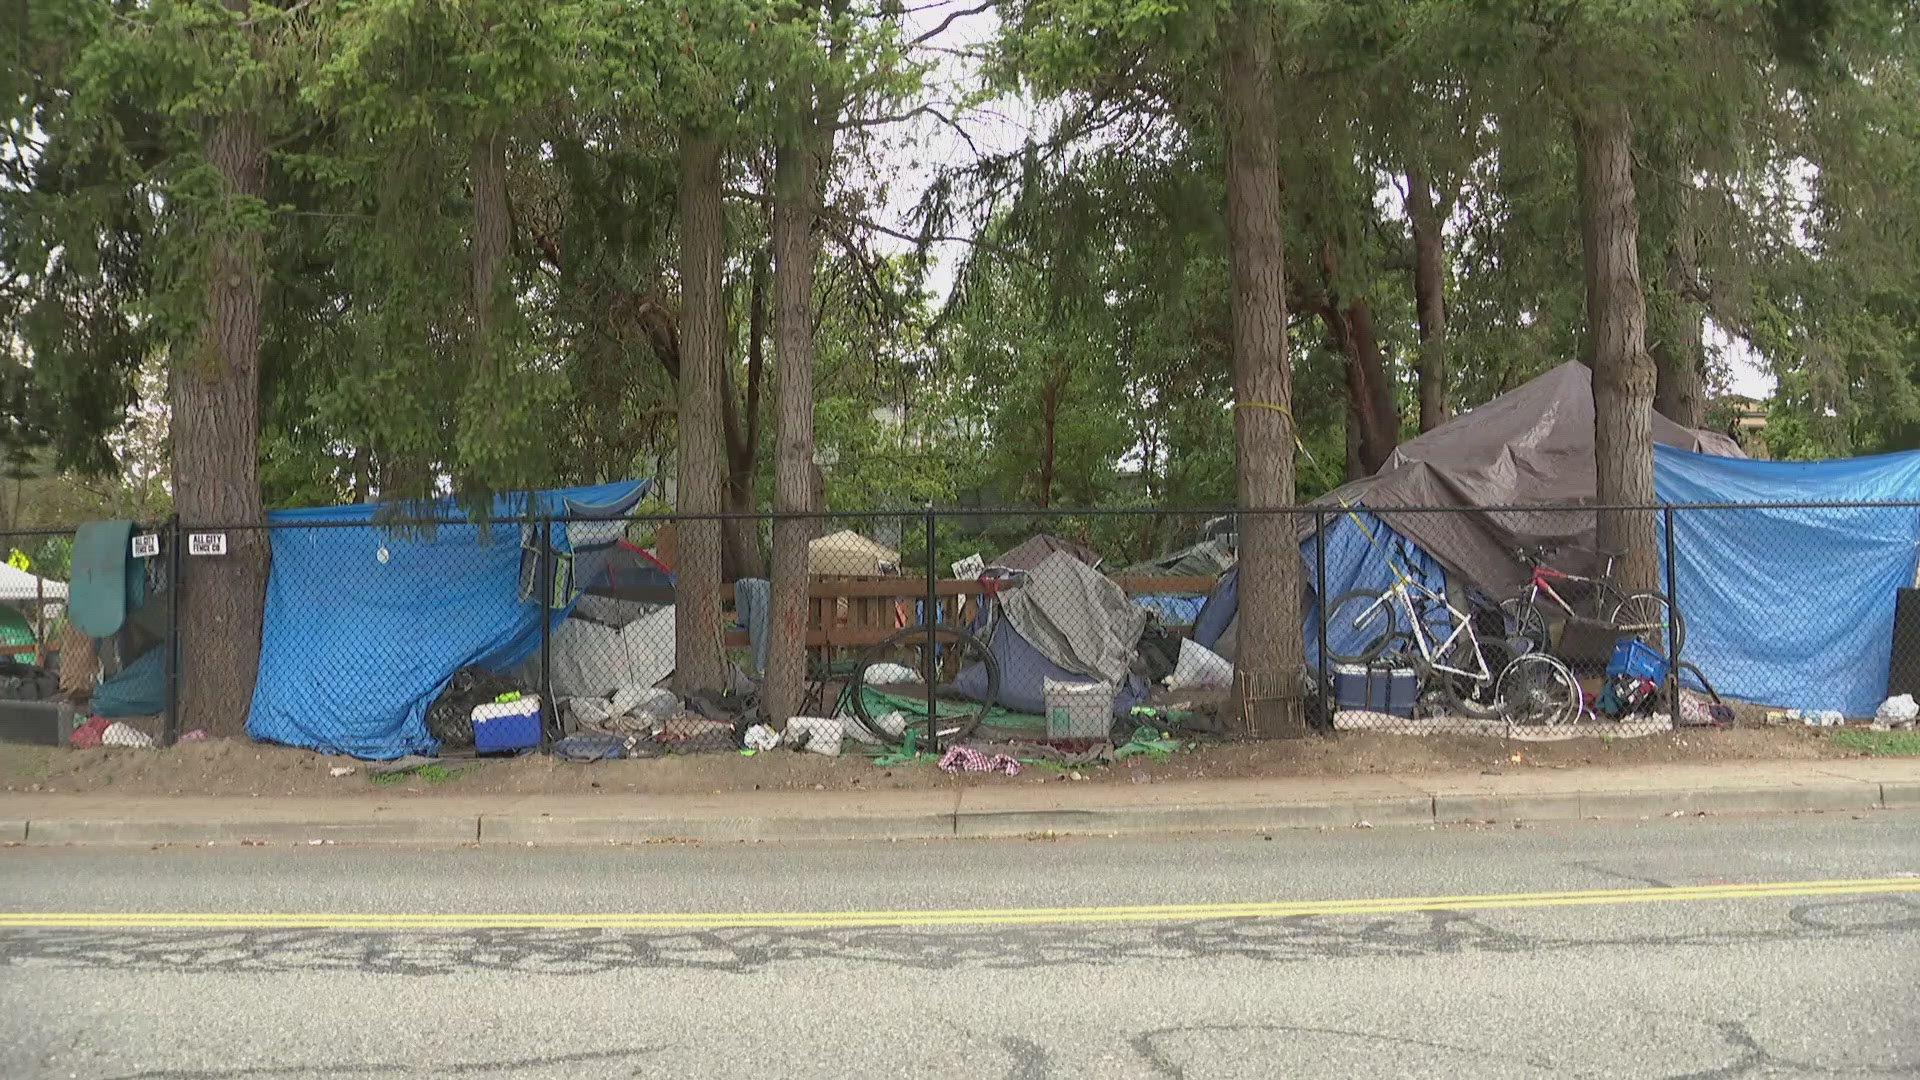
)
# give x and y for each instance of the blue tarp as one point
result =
(1361, 552)
(364, 627)
(1792, 607)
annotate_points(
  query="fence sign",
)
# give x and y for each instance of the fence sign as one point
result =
(969, 568)
(206, 543)
(146, 545)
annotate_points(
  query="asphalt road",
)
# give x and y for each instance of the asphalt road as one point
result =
(1821, 984)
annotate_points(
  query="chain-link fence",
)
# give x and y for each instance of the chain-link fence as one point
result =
(923, 629)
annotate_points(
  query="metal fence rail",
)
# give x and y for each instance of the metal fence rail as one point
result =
(1062, 626)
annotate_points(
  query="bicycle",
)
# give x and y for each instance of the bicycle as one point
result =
(907, 661)
(1456, 662)
(1649, 616)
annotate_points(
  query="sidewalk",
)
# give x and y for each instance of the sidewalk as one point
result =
(1647, 791)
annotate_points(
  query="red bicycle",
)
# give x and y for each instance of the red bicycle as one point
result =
(1649, 616)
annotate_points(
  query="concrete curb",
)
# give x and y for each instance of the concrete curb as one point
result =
(537, 828)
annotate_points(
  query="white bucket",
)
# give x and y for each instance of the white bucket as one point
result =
(1079, 710)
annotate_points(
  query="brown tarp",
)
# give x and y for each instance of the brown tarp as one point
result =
(1532, 446)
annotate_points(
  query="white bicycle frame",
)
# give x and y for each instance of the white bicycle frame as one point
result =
(1402, 590)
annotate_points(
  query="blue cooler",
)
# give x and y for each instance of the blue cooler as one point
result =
(1631, 656)
(506, 726)
(1375, 689)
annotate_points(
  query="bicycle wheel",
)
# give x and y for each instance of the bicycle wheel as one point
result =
(1539, 689)
(1359, 624)
(963, 672)
(1469, 696)
(1652, 618)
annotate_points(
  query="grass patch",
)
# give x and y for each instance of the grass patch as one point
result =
(432, 774)
(1881, 743)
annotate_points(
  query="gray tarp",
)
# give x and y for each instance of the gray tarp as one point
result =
(1034, 550)
(1077, 618)
(1532, 446)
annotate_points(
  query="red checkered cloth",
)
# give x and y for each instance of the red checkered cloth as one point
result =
(967, 759)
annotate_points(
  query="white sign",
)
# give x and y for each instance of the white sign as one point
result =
(206, 543)
(968, 569)
(146, 545)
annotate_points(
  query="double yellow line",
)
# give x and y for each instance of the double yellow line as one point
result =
(839, 920)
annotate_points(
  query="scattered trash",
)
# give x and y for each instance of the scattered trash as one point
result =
(1824, 718)
(87, 735)
(761, 737)
(814, 733)
(196, 735)
(341, 770)
(1357, 825)
(315, 843)
(1897, 711)
(121, 734)
(1200, 668)
(967, 759)
(592, 747)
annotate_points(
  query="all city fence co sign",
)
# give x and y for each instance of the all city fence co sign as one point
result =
(206, 543)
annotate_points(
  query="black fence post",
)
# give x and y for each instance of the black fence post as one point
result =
(931, 665)
(549, 716)
(1320, 605)
(1673, 619)
(170, 536)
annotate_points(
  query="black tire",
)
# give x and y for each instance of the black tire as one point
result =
(1652, 618)
(912, 643)
(1368, 613)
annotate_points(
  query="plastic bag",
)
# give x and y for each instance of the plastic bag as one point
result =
(761, 737)
(1897, 711)
(1200, 668)
(815, 733)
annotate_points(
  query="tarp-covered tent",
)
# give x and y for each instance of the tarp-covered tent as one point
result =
(1204, 559)
(1530, 447)
(1028, 554)
(1792, 607)
(364, 627)
(1067, 623)
(848, 554)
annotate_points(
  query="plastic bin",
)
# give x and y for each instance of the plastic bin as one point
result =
(1079, 710)
(1631, 656)
(1375, 689)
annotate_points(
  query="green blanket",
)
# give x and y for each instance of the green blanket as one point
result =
(106, 583)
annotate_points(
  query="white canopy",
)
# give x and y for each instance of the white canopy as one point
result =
(17, 584)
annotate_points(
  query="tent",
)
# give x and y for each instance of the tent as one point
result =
(1068, 623)
(365, 626)
(1204, 559)
(18, 586)
(1531, 447)
(1028, 554)
(848, 554)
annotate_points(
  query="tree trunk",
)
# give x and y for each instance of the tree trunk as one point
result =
(1049, 426)
(743, 558)
(492, 235)
(216, 451)
(1678, 352)
(799, 168)
(1270, 662)
(1623, 375)
(1429, 297)
(702, 461)
(1372, 420)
